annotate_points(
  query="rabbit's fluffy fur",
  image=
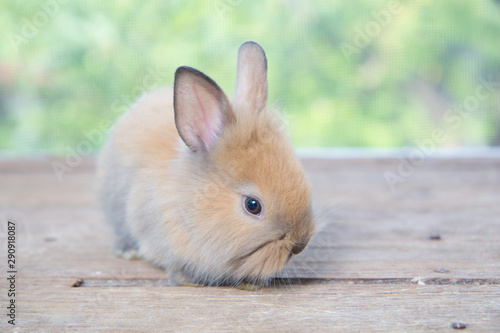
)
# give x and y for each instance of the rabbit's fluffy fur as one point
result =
(175, 172)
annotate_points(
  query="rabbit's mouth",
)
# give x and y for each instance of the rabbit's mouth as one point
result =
(248, 254)
(262, 261)
(240, 259)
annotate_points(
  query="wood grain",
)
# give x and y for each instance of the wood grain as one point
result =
(372, 267)
(329, 307)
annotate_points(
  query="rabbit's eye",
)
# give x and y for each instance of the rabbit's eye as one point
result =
(253, 206)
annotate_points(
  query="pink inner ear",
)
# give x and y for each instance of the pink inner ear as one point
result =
(206, 129)
(200, 107)
(200, 114)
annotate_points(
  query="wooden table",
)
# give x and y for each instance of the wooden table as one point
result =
(417, 258)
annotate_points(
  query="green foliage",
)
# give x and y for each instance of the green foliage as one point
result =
(351, 73)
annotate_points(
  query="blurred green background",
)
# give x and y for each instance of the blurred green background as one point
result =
(358, 73)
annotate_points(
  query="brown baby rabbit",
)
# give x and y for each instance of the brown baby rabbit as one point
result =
(206, 189)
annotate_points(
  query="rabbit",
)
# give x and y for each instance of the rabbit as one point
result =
(207, 189)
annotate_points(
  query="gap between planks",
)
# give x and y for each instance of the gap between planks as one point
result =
(286, 282)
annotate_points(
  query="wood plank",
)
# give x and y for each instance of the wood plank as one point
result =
(379, 233)
(369, 232)
(371, 268)
(403, 307)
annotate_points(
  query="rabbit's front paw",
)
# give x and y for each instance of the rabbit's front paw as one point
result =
(127, 254)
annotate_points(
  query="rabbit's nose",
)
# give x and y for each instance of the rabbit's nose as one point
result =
(299, 246)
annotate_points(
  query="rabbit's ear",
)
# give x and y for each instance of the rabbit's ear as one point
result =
(201, 109)
(251, 78)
